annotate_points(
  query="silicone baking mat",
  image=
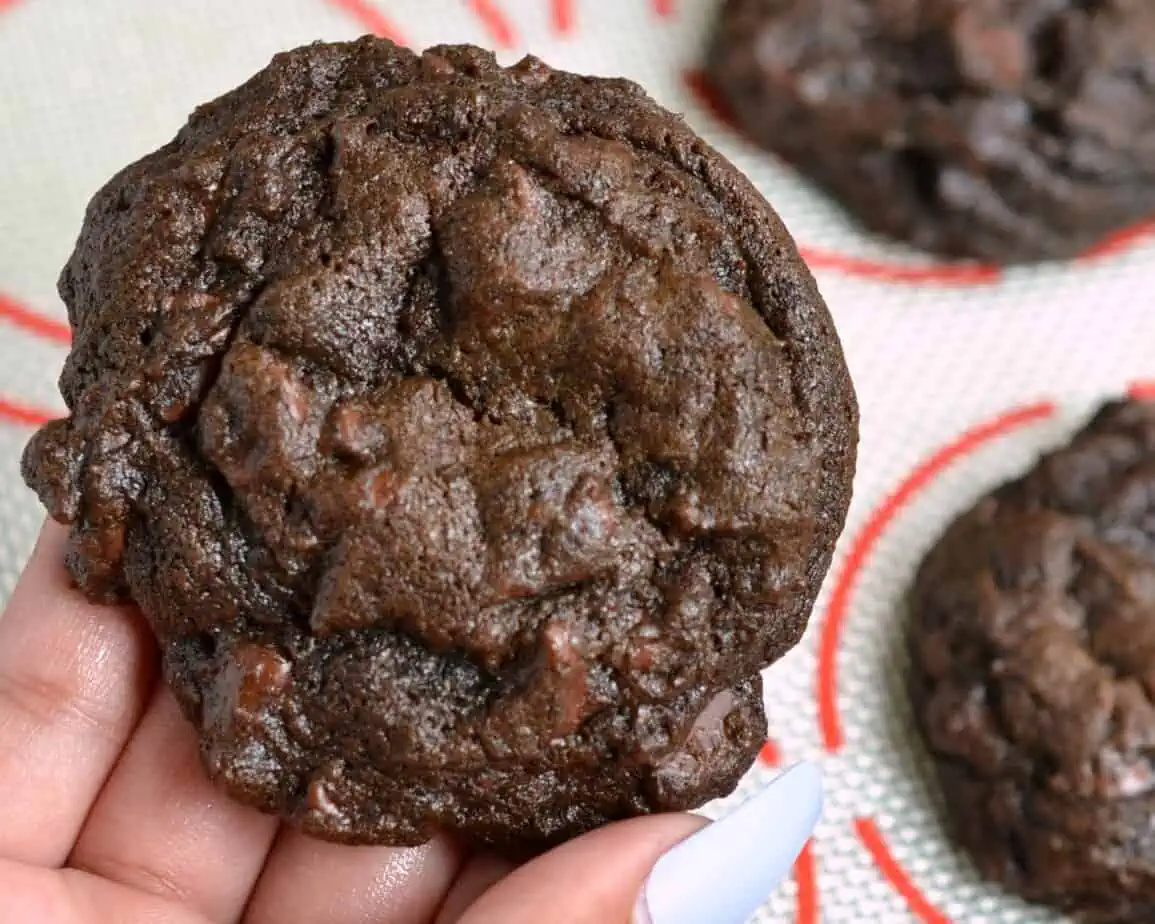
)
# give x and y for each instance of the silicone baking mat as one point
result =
(964, 373)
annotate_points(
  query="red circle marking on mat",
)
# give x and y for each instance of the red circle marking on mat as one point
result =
(47, 328)
(711, 100)
(863, 544)
(806, 878)
(562, 16)
(770, 755)
(496, 23)
(371, 19)
(25, 414)
(938, 273)
(1142, 389)
(876, 846)
(1120, 241)
(664, 8)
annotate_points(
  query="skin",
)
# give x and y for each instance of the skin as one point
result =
(106, 815)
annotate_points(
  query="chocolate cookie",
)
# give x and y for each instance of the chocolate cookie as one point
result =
(1004, 130)
(470, 436)
(1033, 643)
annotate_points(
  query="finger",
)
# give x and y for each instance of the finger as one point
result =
(161, 827)
(74, 678)
(594, 879)
(672, 869)
(310, 880)
(48, 896)
(478, 875)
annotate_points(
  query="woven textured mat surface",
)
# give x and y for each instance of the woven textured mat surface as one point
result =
(964, 373)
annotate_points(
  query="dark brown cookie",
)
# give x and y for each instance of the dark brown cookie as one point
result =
(1033, 644)
(1003, 130)
(471, 437)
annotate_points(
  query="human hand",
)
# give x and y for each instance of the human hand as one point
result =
(106, 815)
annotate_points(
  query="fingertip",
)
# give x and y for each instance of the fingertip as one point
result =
(726, 871)
(593, 878)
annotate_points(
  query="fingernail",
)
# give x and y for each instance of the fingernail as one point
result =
(727, 870)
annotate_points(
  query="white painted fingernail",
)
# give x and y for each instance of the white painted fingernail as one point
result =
(724, 873)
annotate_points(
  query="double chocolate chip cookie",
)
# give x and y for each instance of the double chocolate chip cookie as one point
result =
(1003, 130)
(1033, 643)
(470, 436)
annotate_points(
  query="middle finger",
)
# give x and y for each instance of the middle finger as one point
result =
(309, 880)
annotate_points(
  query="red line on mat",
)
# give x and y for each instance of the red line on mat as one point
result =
(562, 14)
(1120, 241)
(15, 313)
(664, 8)
(806, 878)
(939, 273)
(876, 846)
(863, 545)
(25, 414)
(371, 18)
(710, 99)
(495, 21)
(1143, 389)
(770, 755)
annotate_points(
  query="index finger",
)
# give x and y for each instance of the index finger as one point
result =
(74, 679)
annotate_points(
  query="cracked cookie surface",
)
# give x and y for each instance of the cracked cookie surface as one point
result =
(470, 437)
(1033, 642)
(1002, 130)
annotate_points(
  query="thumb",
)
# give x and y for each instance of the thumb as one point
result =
(665, 869)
